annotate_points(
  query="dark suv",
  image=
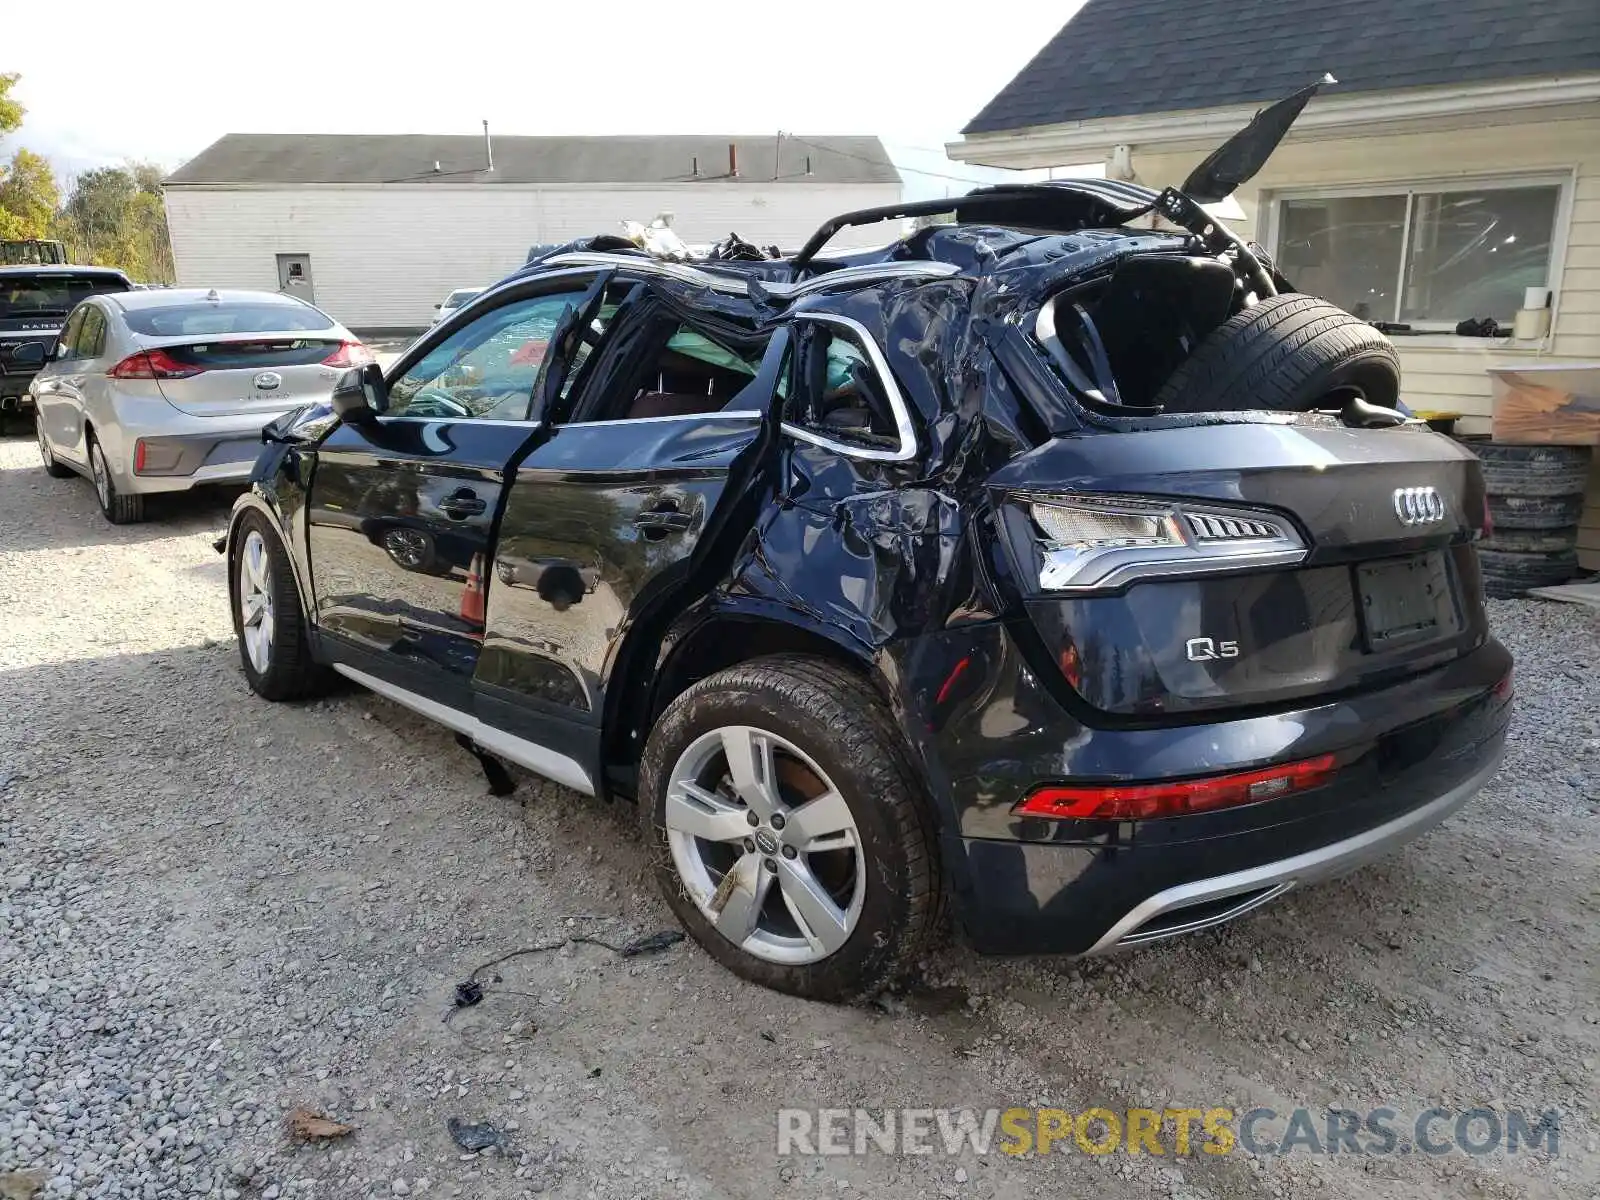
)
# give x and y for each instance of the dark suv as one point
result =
(1075, 572)
(34, 302)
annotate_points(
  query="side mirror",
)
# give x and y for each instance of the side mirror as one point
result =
(361, 395)
(438, 305)
(29, 354)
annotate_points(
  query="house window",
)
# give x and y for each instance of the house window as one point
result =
(1427, 257)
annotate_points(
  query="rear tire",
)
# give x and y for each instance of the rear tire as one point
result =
(118, 509)
(268, 622)
(1288, 353)
(52, 467)
(822, 733)
(1507, 573)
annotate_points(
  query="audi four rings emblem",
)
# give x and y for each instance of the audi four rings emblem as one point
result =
(1418, 505)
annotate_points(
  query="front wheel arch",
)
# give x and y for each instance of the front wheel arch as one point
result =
(251, 502)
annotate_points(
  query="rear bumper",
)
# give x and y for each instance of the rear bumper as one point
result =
(987, 733)
(184, 461)
(1206, 902)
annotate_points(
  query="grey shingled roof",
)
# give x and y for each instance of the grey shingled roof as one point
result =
(1124, 57)
(293, 158)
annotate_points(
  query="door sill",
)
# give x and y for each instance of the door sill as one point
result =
(556, 767)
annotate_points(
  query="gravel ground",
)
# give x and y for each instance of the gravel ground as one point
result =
(213, 911)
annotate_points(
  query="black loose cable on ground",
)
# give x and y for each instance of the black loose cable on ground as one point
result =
(469, 992)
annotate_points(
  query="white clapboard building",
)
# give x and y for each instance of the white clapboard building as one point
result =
(378, 229)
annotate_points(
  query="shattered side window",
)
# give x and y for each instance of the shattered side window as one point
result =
(486, 369)
(840, 394)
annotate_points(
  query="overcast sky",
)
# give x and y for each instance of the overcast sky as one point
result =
(162, 79)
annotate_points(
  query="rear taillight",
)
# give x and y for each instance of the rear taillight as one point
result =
(349, 354)
(152, 364)
(1488, 519)
(1143, 801)
(1094, 542)
(1506, 688)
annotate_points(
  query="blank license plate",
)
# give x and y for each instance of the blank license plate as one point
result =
(1404, 599)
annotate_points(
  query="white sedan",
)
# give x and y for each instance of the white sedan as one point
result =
(163, 390)
(455, 300)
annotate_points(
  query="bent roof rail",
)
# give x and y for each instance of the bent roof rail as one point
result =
(857, 276)
(1059, 205)
(684, 273)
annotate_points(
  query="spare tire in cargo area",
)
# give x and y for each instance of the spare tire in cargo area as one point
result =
(1288, 353)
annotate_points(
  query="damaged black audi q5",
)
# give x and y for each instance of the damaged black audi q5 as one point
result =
(1059, 565)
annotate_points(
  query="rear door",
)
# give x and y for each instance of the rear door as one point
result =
(53, 404)
(74, 382)
(402, 510)
(610, 514)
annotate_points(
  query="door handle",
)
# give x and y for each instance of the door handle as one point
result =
(462, 504)
(657, 522)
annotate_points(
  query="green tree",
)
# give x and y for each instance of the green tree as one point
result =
(29, 195)
(11, 114)
(11, 111)
(115, 217)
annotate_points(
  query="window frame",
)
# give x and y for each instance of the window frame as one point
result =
(650, 306)
(1561, 178)
(904, 428)
(575, 280)
(93, 312)
(68, 337)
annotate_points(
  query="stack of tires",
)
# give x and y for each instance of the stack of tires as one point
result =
(1535, 501)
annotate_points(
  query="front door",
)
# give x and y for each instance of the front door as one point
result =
(294, 277)
(402, 510)
(606, 515)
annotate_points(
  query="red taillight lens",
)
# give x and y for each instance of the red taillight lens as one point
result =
(1488, 520)
(152, 364)
(349, 354)
(1505, 689)
(138, 456)
(1142, 801)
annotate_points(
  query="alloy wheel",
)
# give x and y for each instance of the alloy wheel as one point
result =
(765, 845)
(102, 475)
(256, 621)
(408, 547)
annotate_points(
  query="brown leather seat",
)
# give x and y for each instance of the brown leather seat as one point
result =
(672, 404)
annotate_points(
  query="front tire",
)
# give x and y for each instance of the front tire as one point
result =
(118, 509)
(788, 830)
(268, 622)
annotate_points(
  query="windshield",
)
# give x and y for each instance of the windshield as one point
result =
(460, 296)
(207, 317)
(50, 295)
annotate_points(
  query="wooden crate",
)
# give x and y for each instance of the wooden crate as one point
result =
(1551, 404)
